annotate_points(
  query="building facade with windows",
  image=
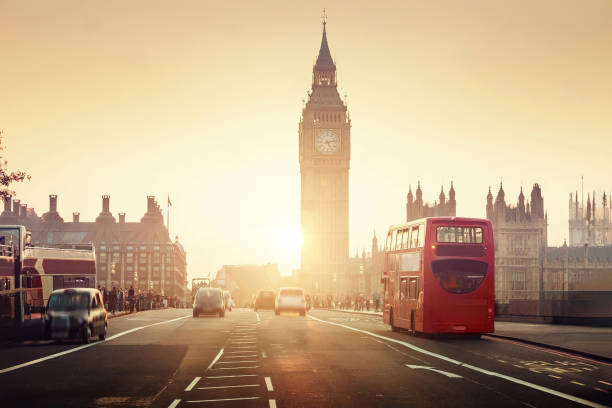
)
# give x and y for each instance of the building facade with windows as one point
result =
(365, 272)
(590, 224)
(520, 234)
(536, 282)
(128, 253)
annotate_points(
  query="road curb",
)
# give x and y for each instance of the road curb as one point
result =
(121, 314)
(591, 356)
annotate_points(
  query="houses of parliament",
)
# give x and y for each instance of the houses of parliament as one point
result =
(533, 281)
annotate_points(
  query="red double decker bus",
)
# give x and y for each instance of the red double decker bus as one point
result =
(439, 276)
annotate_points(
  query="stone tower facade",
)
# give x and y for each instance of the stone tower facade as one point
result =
(324, 155)
(520, 234)
(591, 225)
(416, 208)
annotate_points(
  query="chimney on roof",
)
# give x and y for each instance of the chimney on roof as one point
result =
(121, 218)
(16, 207)
(105, 214)
(7, 206)
(53, 203)
(23, 210)
(105, 203)
(75, 216)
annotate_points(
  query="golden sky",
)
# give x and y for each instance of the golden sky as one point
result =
(201, 100)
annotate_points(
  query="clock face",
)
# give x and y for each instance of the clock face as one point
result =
(327, 141)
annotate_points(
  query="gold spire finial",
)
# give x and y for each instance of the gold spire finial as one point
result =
(324, 17)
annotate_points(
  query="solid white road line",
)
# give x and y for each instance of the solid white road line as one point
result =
(235, 368)
(269, 384)
(227, 399)
(446, 373)
(272, 403)
(232, 376)
(246, 356)
(243, 347)
(215, 359)
(84, 346)
(236, 362)
(468, 366)
(229, 386)
(258, 318)
(174, 403)
(193, 383)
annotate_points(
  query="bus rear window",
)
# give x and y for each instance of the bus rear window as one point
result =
(459, 275)
(464, 235)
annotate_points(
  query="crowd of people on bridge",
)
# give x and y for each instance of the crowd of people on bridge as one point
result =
(358, 302)
(122, 300)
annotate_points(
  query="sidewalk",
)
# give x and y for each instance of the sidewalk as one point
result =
(596, 341)
(586, 340)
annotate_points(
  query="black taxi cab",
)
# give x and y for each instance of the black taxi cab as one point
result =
(75, 313)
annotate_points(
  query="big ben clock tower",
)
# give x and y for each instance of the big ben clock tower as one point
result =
(325, 152)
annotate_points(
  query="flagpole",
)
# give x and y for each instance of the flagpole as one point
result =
(168, 219)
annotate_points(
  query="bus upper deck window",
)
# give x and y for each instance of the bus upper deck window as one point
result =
(400, 239)
(421, 238)
(405, 238)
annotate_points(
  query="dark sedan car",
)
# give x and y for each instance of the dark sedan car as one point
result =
(75, 313)
(265, 300)
(209, 301)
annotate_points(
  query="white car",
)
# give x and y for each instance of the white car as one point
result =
(290, 299)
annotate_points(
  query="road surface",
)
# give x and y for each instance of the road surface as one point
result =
(167, 358)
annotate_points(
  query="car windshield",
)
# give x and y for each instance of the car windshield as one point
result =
(266, 295)
(65, 302)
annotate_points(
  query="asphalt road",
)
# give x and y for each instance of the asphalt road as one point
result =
(167, 358)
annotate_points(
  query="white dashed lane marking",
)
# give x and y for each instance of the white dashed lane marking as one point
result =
(229, 386)
(242, 354)
(226, 399)
(232, 376)
(193, 383)
(269, 384)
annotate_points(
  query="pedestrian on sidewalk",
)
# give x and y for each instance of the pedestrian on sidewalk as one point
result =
(112, 300)
(105, 297)
(120, 300)
(131, 298)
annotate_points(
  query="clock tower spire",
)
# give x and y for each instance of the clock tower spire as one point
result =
(324, 155)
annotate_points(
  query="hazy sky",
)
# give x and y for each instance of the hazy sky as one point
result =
(201, 100)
